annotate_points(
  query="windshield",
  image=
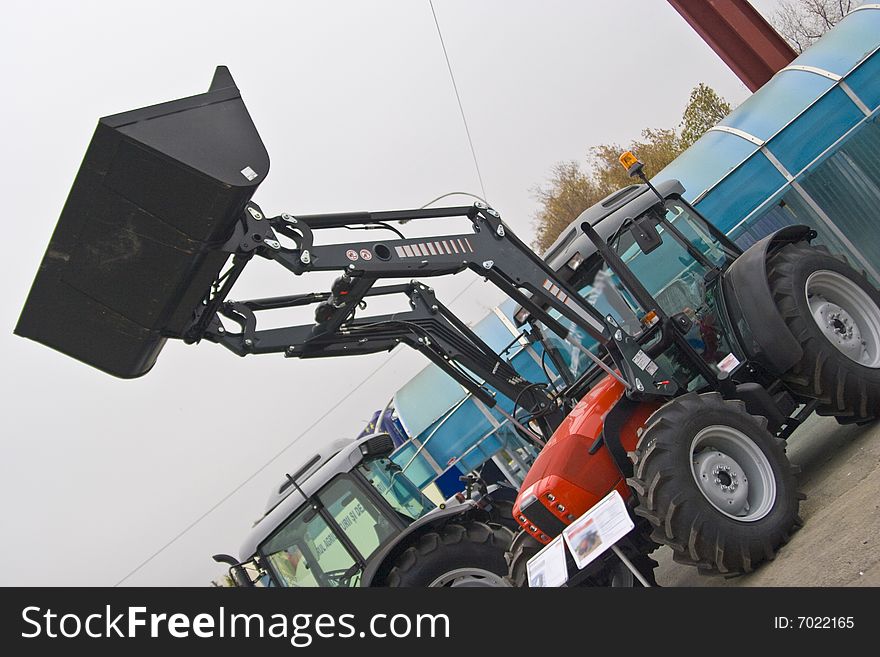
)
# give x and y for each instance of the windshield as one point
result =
(309, 548)
(670, 272)
(402, 494)
(672, 275)
(598, 285)
(306, 552)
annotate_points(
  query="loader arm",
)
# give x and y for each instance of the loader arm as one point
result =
(429, 327)
(160, 224)
(492, 250)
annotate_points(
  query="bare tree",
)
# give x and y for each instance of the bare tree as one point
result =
(801, 22)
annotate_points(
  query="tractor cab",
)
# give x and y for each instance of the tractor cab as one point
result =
(672, 259)
(326, 522)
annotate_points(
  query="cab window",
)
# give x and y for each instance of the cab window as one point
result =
(306, 552)
(363, 522)
(398, 490)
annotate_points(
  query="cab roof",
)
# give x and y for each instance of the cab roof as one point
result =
(337, 457)
(606, 216)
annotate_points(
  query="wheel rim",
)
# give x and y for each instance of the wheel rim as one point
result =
(470, 577)
(732, 473)
(848, 318)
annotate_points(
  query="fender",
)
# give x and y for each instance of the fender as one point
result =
(582, 462)
(616, 434)
(376, 565)
(761, 331)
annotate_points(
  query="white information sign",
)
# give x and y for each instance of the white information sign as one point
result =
(548, 567)
(598, 529)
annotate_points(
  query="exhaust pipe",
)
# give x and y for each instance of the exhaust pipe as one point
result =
(139, 239)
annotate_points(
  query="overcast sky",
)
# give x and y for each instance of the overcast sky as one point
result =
(354, 103)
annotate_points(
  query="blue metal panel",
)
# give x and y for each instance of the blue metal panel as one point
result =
(776, 103)
(425, 398)
(815, 130)
(525, 363)
(493, 332)
(458, 434)
(419, 471)
(485, 449)
(844, 46)
(508, 307)
(865, 81)
(741, 192)
(711, 157)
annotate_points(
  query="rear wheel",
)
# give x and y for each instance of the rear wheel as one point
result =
(715, 484)
(834, 312)
(466, 554)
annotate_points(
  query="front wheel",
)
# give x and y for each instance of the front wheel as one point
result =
(523, 548)
(614, 574)
(715, 484)
(619, 575)
(834, 312)
(460, 554)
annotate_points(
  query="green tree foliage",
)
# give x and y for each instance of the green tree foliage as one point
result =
(705, 108)
(656, 148)
(572, 188)
(801, 22)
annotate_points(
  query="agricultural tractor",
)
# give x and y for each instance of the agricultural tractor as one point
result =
(350, 517)
(703, 358)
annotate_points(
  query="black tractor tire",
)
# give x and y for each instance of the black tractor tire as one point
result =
(523, 547)
(618, 575)
(502, 514)
(844, 388)
(667, 463)
(474, 550)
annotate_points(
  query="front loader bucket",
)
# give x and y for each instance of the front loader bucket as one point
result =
(137, 244)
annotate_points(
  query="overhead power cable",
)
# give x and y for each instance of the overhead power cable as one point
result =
(458, 98)
(276, 456)
(256, 472)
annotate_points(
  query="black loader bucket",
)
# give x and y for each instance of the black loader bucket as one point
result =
(137, 245)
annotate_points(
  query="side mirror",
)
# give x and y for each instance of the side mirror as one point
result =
(236, 570)
(644, 232)
(240, 577)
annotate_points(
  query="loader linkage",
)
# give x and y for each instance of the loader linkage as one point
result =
(492, 251)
